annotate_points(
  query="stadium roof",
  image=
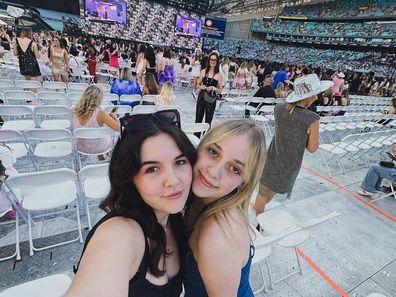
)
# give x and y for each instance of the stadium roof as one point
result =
(232, 7)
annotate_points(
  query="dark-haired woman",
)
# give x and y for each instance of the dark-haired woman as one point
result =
(150, 60)
(211, 83)
(136, 249)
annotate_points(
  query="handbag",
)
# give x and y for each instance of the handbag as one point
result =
(209, 97)
(387, 164)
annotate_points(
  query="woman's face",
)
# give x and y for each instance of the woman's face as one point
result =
(212, 60)
(55, 42)
(164, 179)
(220, 168)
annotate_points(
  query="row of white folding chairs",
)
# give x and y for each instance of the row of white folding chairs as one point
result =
(331, 110)
(68, 187)
(355, 148)
(7, 84)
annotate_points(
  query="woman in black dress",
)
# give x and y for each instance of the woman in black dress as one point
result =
(26, 50)
(211, 82)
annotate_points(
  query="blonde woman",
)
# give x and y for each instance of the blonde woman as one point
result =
(241, 76)
(229, 164)
(280, 91)
(59, 61)
(166, 96)
(88, 114)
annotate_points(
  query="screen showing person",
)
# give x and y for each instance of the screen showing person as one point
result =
(188, 26)
(114, 11)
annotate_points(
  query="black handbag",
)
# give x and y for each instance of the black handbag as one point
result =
(209, 97)
(387, 164)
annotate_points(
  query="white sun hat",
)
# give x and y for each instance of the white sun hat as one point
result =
(341, 74)
(307, 86)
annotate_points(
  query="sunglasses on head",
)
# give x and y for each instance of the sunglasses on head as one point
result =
(136, 122)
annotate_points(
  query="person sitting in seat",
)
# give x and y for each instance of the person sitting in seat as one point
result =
(125, 84)
(373, 179)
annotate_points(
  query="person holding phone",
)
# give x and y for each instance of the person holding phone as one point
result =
(88, 114)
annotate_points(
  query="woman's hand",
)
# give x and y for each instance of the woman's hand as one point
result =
(114, 115)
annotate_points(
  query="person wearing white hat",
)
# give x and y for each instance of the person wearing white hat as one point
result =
(296, 129)
(338, 80)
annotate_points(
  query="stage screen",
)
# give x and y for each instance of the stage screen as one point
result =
(214, 27)
(188, 26)
(106, 10)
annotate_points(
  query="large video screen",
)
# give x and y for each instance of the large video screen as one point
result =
(214, 27)
(106, 10)
(188, 26)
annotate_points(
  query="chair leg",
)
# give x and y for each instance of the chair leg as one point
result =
(79, 222)
(31, 252)
(263, 287)
(298, 261)
(269, 273)
(18, 251)
(88, 214)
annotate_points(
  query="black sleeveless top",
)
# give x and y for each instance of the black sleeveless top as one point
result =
(28, 64)
(207, 81)
(139, 285)
(5, 44)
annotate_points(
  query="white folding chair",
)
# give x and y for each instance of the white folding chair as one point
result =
(121, 109)
(28, 84)
(104, 87)
(150, 99)
(278, 220)
(6, 85)
(52, 116)
(74, 98)
(95, 184)
(59, 86)
(20, 97)
(130, 98)
(51, 147)
(15, 140)
(17, 117)
(72, 86)
(47, 190)
(192, 128)
(139, 109)
(52, 98)
(82, 135)
(50, 286)
(108, 98)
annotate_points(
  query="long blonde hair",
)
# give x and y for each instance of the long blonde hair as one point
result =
(254, 164)
(167, 97)
(90, 100)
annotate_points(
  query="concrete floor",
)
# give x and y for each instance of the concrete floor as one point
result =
(356, 251)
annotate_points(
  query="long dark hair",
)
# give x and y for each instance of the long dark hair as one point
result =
(149, 55)
(124, 199)
(217, 67)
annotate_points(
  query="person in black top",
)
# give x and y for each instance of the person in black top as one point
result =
(5, 39)
(136, 249)
(211, 82)
(266, 91)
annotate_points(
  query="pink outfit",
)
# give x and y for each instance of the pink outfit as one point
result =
(241, 78)
(338, 82)
(113, 62)
(91, 146)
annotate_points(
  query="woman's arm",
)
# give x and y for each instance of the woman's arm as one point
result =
(199, 81)
(109, 119)
(313, 137)
(110, 260)
(35, 50)
(14, 47)
(218, 261)
(66, 58)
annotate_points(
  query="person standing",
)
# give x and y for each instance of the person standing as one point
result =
(338, 80)
(26, 50)
(113, 55)
(211, 82)
(91, 55)
(296, 129)
(59, 61)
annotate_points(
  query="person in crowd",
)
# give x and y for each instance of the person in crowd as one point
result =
(149, 61)
(266, 90)
(159, 60)
(140, 69)
(125, 84)
(392, 107)
(263, 70)
(280, 91)
(224, 67)
(296, 129)
(88, 114)
(113, 55)
(167, 74)
(5, 40)
(281, 76)
(104, 55)
(166, 96)
(91, 56)
(251, 74)
(229, 164)
(338, 84)
(211, 82)
(137, 247)
(196, 67)
(27, 51)
(241, 76)
(59, 61)
(233, 69)
(150, 86)
(375, 174)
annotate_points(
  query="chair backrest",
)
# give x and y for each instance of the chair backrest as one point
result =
(92, 133)
(104, 87)
(77, 86)
(149, 98)
(51, 112)
(266, 109)
(269, 100)
(54, 85)
(143, 109)
(28, 84)
(97, 170)
(110, 97)
(121, 109)
(15, 110)
(131, 98)
(195, 128)
(52, 98)
(8, 135)
(48, 134)
(19, 97)
(6, 84)
(74, 98)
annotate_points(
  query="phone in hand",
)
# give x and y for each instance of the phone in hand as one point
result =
(115, 108)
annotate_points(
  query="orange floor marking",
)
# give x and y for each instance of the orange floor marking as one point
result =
(352, 194)
(322, 274)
